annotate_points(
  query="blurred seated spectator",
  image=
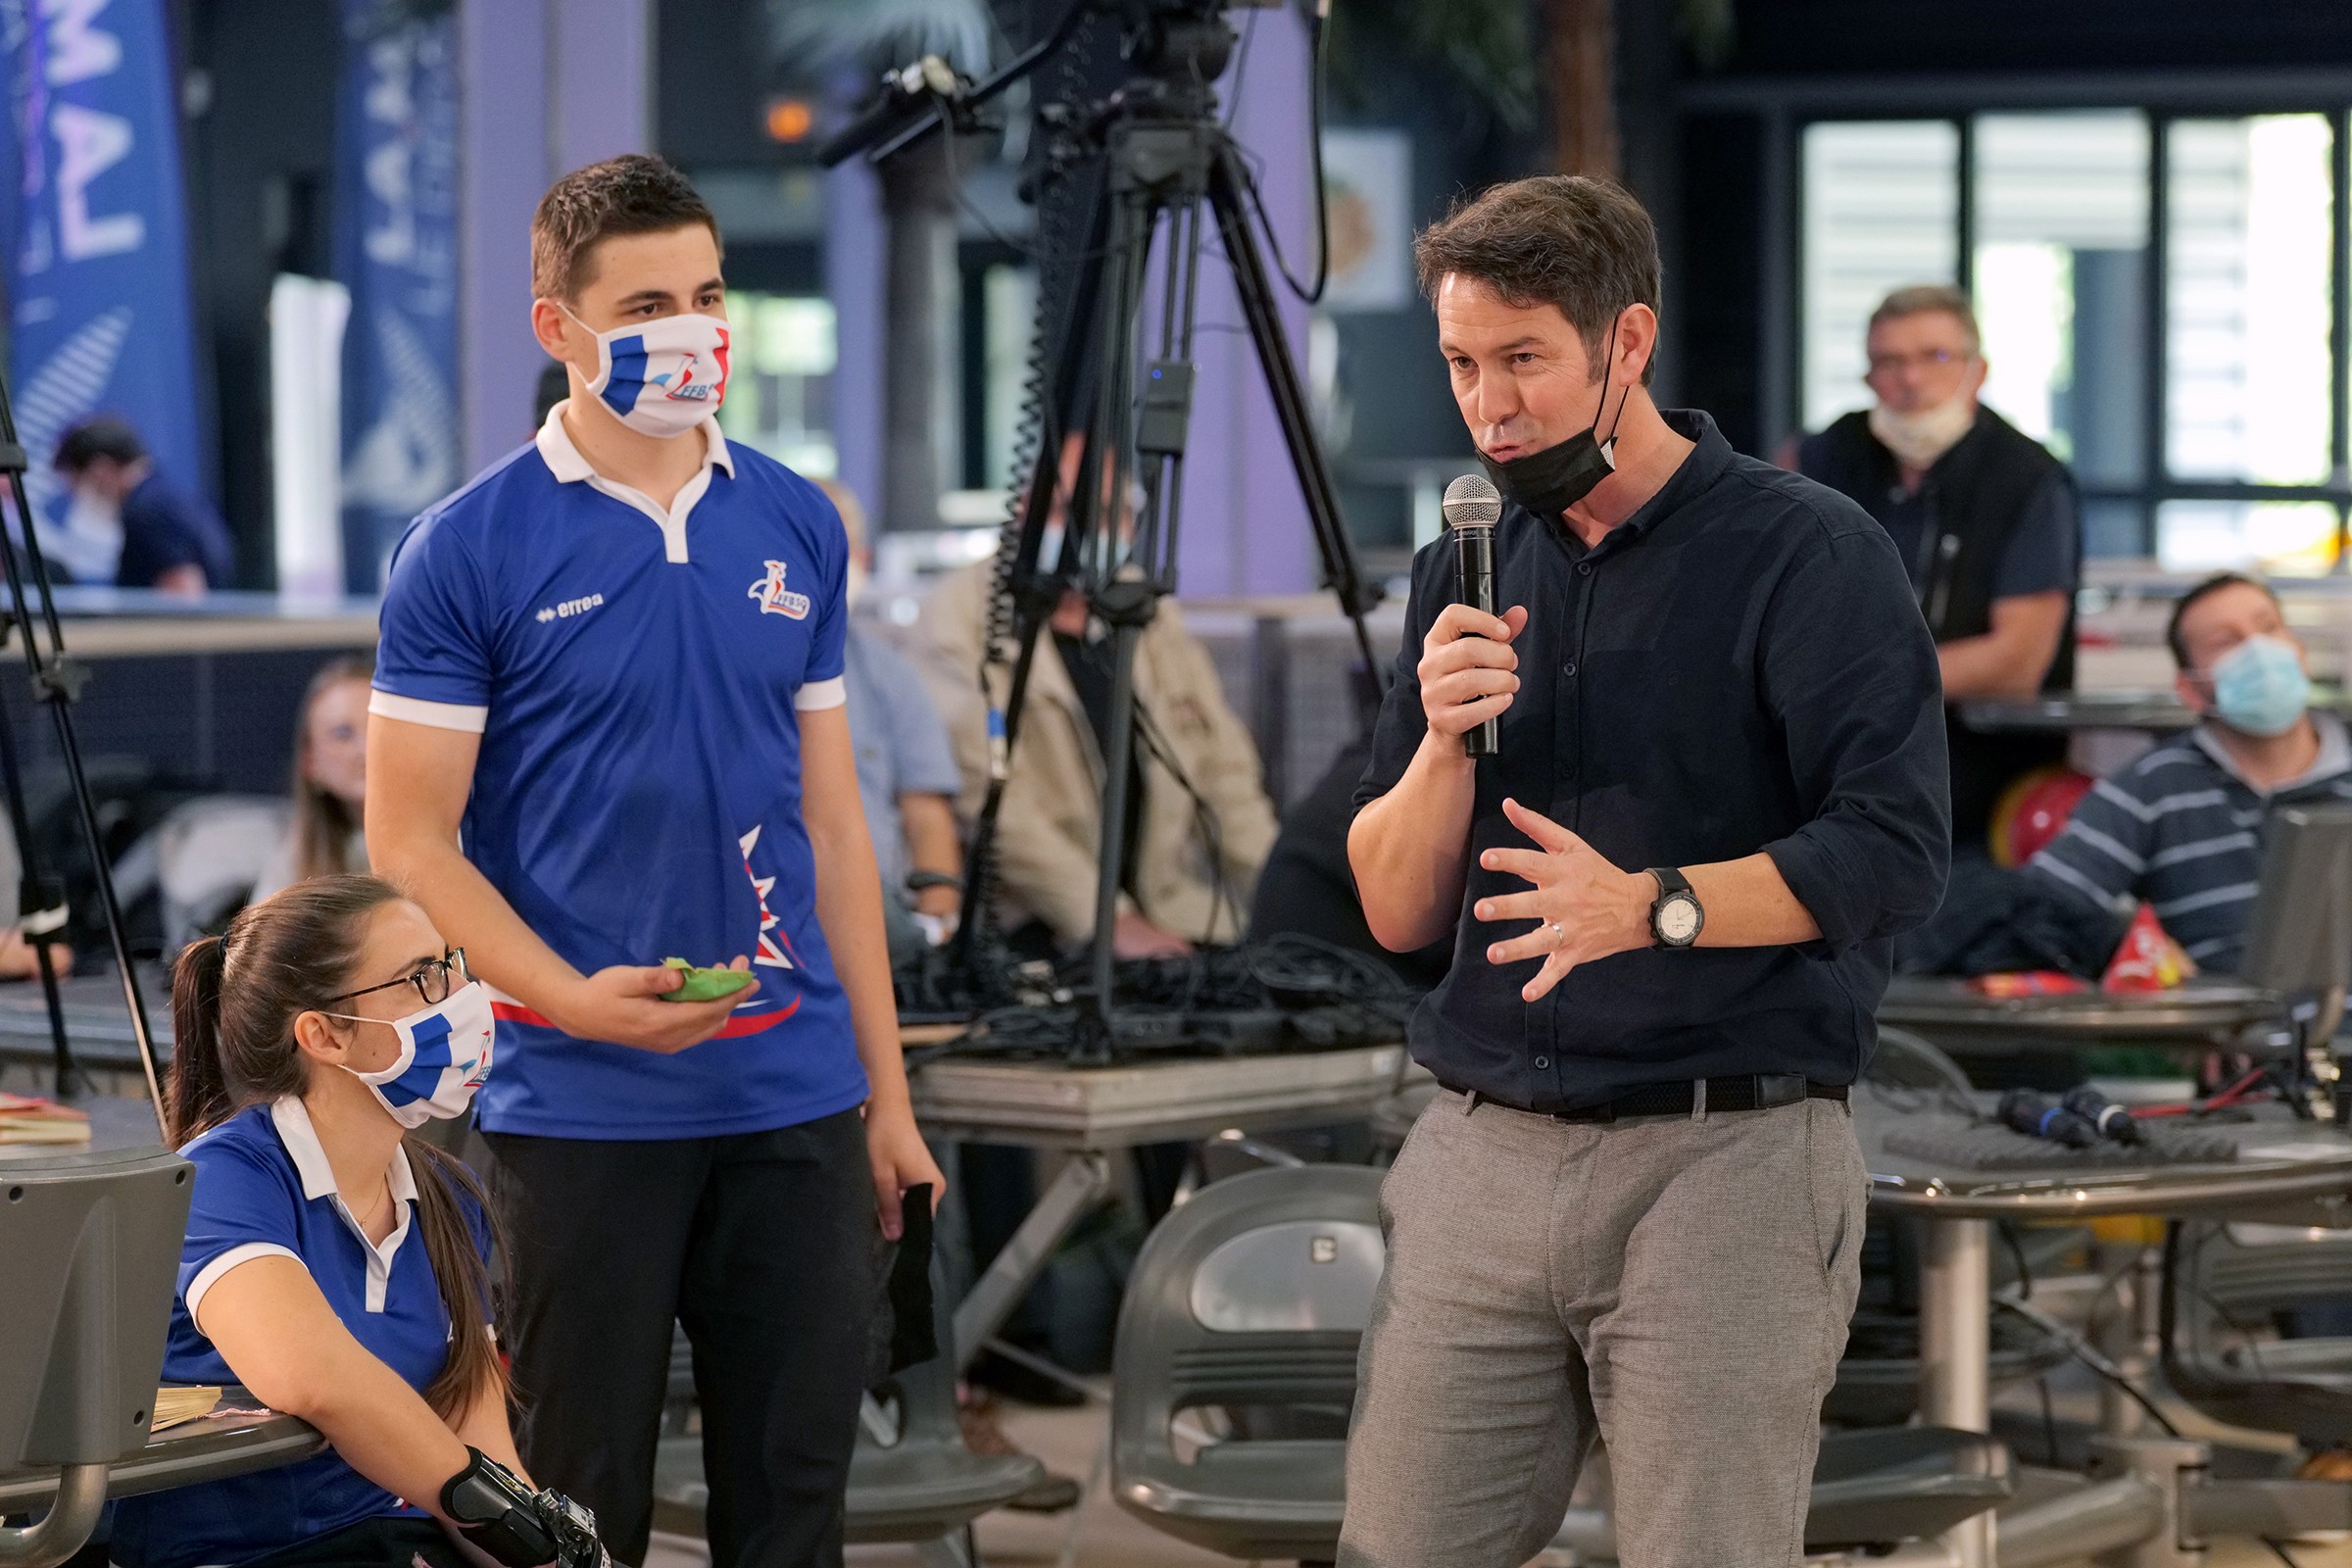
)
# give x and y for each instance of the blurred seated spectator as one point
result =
(906, 768)
(1307, 888)
(327, 836)
(128, 525)
(18, 960)
(1198, 823)
(2180, 827)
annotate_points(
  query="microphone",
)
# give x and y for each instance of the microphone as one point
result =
(2111, 1119)
(2029, 1113)
(1473, 506)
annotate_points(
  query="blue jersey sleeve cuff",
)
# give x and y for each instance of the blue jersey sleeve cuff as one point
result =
(209, 1274)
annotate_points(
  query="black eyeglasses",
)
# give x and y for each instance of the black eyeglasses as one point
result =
(434, 979)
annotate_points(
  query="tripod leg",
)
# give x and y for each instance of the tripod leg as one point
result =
(1290, 406)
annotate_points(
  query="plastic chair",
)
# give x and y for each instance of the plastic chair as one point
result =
(925, 1488)
(1252, 1298)
(2221, 1283)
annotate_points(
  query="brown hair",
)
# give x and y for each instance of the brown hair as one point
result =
(1580, 244)
(2172, 637)
(1918, 299)
(633, 194)
(234, 999)
(323, 821)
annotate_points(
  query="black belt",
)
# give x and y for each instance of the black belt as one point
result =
(1749, 1092)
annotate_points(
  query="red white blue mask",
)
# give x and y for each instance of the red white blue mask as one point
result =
(444, 1056)
(661, 377)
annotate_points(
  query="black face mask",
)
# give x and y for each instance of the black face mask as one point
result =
(1551, 481)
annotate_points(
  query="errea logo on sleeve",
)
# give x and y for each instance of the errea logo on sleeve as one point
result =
(774, 598)
(570, 607)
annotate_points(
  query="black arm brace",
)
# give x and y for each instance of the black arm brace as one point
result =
(524, 1529)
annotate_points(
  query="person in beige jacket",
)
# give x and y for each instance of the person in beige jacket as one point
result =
(1051, 823)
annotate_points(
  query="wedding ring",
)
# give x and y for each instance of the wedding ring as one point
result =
(1558, 935)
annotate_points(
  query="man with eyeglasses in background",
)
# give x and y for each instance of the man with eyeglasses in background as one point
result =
(1984, 517)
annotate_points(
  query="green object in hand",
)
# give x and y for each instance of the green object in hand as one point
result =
(704, 985)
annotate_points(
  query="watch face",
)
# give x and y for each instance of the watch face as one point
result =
(1677, 919)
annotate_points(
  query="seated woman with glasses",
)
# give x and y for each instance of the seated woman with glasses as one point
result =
(335, 1266)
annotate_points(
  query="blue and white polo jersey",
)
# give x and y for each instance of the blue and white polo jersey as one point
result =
(636, 674)
(264, 1189)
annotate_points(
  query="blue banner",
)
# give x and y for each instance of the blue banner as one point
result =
(396, 249)
(98, 291)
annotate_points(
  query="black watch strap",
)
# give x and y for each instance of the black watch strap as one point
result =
(1674, 888)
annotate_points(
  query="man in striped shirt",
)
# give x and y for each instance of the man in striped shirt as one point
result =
(2180, 828)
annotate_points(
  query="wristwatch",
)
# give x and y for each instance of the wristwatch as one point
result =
(1676, 919)
(924, 881)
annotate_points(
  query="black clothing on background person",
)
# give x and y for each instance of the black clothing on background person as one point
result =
(1739, 667)
(1994, 518)
(1308, 889)
(792, 1226)
(163, 529)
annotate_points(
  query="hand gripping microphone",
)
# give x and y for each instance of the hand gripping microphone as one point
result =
(2029, 1113)
(2111, 1119)
(1473, 506)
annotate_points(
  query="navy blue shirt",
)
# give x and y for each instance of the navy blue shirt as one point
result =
(264, 1189)
(164, 530)
(1739, 667)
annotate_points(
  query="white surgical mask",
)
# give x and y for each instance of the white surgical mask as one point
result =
(661, 377)
(444, 1056)
(90, 544)
(1917, 440)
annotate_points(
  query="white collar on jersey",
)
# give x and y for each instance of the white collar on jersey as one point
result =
(292, 1119)
(564, 462)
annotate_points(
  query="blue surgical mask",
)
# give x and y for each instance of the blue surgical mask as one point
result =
(2259, 687)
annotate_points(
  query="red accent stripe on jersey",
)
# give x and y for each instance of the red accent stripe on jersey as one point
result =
(733, 1029)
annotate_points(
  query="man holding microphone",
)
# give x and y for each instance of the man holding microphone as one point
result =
(1634, 1211)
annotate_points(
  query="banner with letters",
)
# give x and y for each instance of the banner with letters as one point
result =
(96, 225)
(396, 249)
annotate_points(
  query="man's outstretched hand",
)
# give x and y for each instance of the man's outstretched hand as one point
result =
(1587, 908)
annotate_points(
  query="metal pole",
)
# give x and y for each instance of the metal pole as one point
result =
(1955, 1341)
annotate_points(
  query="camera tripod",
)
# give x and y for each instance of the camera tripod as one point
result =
(56, 684)
(1147, 167)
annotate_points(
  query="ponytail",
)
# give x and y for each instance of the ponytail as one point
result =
(474, 1365)
(200, 1095)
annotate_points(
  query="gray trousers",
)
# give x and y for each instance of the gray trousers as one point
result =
(1677, 1287)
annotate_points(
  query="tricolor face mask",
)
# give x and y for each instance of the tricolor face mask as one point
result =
(444, 1056)
(661, 377)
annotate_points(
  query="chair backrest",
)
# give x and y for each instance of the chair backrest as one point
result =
(2301, 939)
(1905, 1060)
(92, 1244)
(1255, 1293)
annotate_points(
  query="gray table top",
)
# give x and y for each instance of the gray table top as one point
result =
(97, 1019)
(210, 1447)
(2158, 711)
(116, 1121)
(2193, 1013)
(2288, 1170)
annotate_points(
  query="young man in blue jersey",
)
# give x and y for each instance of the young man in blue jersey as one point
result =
(608, 730)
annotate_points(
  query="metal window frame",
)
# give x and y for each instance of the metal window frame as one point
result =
(1789, 106)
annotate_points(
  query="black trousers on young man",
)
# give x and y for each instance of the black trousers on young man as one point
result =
(762, 1245)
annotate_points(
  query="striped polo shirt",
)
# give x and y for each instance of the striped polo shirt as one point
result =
(2180, 828)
